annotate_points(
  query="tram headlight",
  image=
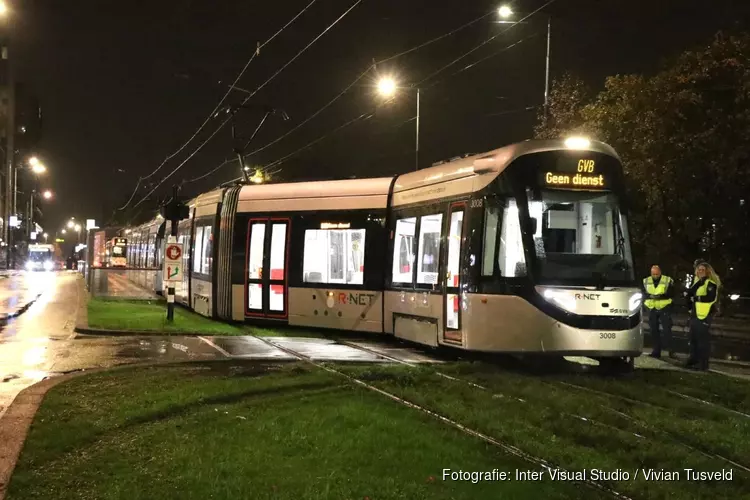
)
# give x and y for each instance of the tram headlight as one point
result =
(48, 265)
(30, 266)
(635, 302)
(561, 299)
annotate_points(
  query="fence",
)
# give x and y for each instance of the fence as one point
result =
(122, 283)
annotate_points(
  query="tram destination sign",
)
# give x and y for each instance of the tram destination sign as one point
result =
(569, 175)
(173, 263)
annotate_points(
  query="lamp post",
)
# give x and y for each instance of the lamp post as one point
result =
(9, 208)
(506, 12)
(387, 87)
(47, 195)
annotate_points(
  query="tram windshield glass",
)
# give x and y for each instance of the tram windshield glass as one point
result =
(580, 238)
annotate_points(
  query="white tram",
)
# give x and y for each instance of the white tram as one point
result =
(524, 249)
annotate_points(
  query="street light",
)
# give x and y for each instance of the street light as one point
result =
(78, 228)
(47, 194)
(387, 87)
(37, 166)
(46, 235)
(505, 12)
(71, 224)
(3, 8)
(63, 231)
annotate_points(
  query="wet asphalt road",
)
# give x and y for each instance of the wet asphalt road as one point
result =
(40, 342)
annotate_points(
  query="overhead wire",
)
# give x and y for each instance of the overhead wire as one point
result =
(344, 91)
(218, 106)
(356, 3)
(307, 146)
(431, 75)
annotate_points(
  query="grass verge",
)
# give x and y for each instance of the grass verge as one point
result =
(148, 316)
(151, 316)
(579, 431)
(241, 430)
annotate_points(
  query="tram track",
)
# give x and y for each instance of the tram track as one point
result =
(504, 446)
(592, 421)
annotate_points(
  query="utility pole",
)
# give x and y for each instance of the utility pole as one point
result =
(546, 72)
(10, 129)
(174, 212)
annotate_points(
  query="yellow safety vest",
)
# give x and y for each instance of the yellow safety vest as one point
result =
(703, 308)
(664, 283)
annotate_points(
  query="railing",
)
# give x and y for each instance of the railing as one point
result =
(122, 282)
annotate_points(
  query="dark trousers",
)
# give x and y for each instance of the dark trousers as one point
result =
(700, 342)
(663, 316)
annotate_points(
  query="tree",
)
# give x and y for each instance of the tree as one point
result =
(567, 98)
(683, 135)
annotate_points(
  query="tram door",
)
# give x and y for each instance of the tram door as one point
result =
(452, 273)
(266, 276)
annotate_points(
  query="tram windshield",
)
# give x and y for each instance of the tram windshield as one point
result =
(580, 238)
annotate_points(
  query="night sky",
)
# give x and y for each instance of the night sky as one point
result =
(124, 84)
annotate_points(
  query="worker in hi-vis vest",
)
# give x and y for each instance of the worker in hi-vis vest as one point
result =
(658, 290)
(703, 296)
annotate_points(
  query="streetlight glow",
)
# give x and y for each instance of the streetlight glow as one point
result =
(71, 224)
(577, 143)
(78, 228)
(63, 231)
(33, 161)
(387, 86)
(38, 168)
(47, 194)
(3, 8)
(505, 12)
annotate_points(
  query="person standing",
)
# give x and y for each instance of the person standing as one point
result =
(703, 296)
(659, 292)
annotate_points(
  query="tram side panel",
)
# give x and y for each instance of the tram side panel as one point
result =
(336, 273)
(331, 275)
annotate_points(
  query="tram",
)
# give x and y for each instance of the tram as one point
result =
(523, 249)
(116, 252)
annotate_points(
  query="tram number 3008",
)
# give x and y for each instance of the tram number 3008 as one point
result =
(608, 335)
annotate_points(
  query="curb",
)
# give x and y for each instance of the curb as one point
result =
(7, 317)
(97, 332)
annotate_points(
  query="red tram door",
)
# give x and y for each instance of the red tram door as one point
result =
(266, 290)
(452, 272)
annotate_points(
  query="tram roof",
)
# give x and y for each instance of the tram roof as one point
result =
(319, 195)
(487, 166)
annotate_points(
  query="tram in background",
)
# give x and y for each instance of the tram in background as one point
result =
(41, 257)
(115, 253)
(524, 249)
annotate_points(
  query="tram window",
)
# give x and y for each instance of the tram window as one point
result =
(403, 250)
(491, 222)
(429, 249)
(197, 249)
(208, 258)
(346, 256)
(511, 259)
(203, 255)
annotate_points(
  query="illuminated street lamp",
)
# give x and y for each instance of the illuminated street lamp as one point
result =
(3, 8)
(64, 231)
(71, 224)
(387, 87)
(47, 194)
(78, 228)
(506, 12)
(46, 235)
